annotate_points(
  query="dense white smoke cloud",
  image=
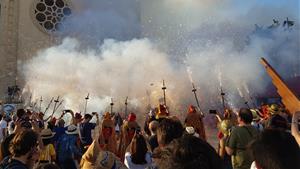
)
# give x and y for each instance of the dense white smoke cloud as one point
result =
(117, 70)
(207, 42)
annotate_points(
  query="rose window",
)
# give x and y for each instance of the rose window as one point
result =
(50, 14)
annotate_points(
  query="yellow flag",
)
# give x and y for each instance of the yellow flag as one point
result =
(289, 99)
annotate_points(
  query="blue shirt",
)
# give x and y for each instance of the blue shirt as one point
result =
(59, 131)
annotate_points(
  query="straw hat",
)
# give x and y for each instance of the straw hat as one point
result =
(225, 126)
(274, 109)
(47, 133)
(255, 115)
(72, 129)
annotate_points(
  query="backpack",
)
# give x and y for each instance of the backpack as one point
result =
(67, 148)
(64, 150)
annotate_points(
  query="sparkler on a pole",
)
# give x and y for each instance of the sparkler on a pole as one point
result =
(48, 105)
(246, 103)
(223, 99)
(250, 96)
(55, 104)
(195, 94)
(60, 103)
(148, 97)
(111, 106)
(30, 97)
(253, 101)
(243, 97)
(126, 105)
(56, 107)
(34, 105)
(86, 102)
(164, 91)
(41, 100)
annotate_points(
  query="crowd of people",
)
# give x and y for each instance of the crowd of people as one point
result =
(263, 138)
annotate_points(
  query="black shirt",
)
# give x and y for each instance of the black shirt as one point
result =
(9, 163)
(86, 133)
(153, 142)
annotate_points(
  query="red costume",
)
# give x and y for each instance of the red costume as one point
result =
(127, 133)
(194, 119)
(108, 140)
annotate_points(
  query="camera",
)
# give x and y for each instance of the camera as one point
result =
(138, 130)
(212, 111)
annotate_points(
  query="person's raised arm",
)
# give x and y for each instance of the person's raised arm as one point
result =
(35, 128)
(97, 119)
(73, 117)
(295, 126)
(62, 115)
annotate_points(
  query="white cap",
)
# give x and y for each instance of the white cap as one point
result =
(190, 130)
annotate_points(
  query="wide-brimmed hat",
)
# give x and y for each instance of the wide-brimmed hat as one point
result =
(47, 133)
(255, 114)
(225, 126)
(72, 129)
(274, 109)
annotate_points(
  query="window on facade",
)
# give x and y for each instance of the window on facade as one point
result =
(49, 14)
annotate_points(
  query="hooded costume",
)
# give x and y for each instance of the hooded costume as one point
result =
(128, 130)
(194, 119)
(108, 140)
(96, 158)
(162, 112)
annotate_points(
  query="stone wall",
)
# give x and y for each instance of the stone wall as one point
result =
(19, 41)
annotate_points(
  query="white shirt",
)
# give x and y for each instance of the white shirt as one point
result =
(130, 165)
(258, 126)
(3, 125)
(10, 128)
(253, 166)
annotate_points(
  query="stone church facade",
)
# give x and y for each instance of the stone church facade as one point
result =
(26, 27)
